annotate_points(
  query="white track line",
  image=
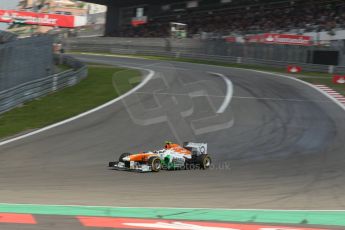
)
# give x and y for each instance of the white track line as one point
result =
(236, 97)
(144, 82)
(229, 92)
(341, 105)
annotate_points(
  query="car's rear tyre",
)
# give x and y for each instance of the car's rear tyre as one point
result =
(123, 155)
(155, 164)
(204, 161)
(188, 165)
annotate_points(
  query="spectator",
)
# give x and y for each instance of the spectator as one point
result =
(307, 15)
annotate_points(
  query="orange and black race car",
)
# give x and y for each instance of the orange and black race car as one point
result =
(172, 156)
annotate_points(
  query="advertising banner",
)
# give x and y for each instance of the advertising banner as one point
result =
(294, 69)
(338, 79)
(33, 18)
(137, 21)
(159, 224)
(231, 39)
(282, 39)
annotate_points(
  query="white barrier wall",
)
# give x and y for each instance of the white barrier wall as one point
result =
(326, 36)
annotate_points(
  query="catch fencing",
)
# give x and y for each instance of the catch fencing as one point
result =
(219, 47)
(6, 36)
(27, 91)
(202, 50)
(25, 60)
(237, 60)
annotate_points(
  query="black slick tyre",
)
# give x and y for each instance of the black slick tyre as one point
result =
(155, 164)
(204, 161)
(123, 155)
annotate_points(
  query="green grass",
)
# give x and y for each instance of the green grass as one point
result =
(218, 63)
(93, 91)
(311, 77)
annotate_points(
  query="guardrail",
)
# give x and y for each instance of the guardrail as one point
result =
(234, 60)
(20, 94)
(131, 50)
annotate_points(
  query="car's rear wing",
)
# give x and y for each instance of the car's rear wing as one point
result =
(196, 148)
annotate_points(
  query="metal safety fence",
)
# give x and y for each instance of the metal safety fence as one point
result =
(188, 49)
(25, 60)
(6, 36)
(19, 94)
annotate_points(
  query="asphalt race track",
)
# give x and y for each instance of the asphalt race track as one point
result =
(279, 144)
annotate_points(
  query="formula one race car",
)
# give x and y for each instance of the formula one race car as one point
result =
(173, 156)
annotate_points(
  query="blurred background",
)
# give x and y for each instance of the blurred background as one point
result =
(307, 33)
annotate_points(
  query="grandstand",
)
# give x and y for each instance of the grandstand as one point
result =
(225, 17)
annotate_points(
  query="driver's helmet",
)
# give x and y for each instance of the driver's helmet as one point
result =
(168, 144)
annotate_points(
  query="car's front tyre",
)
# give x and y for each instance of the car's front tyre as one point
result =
(155, 164)
(112, 164)
(123, 155)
